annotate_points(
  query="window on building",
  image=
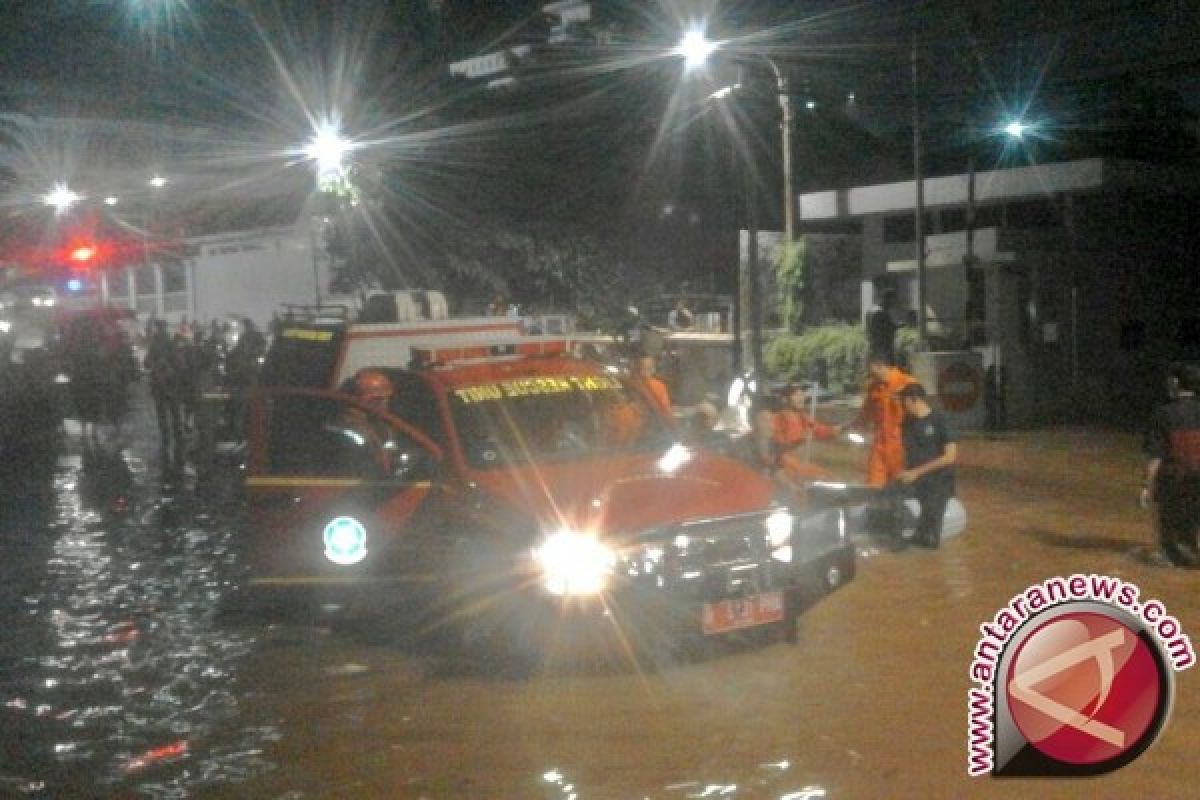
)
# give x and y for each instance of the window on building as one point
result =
(174, 278)
(143, 280)
(954, 219)
(118, 283)
(899, 229)
(989, 217)
(1039, 213)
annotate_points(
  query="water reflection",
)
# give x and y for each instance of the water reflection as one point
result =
(115, 677)
(767, 783)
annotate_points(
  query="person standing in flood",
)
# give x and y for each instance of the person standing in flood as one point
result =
(242, 366)
(883, 413)
(161, 363)
(1172, 480)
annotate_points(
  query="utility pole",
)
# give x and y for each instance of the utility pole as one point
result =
(785, 127)
(919, 222)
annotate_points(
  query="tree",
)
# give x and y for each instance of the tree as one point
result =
(790, 266)
(545, 266)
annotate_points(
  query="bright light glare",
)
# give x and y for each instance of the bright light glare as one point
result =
(111, 200)
(856, 438)
(779, 527)
(345, 541)
(158, 181)
(1016, 129)
(74, 284)
(328, 149)
(675, 457)
(574, 563)
(695, 49)
(83, 253)
(61, 198)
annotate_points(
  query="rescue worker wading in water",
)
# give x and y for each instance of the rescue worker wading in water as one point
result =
(789, 430)
(883, 414)
(375, 391)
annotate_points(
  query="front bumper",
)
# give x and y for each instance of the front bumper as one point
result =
(718, 576)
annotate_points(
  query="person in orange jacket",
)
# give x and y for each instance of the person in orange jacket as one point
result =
(790, 429)
(883, 413)
(655, 390)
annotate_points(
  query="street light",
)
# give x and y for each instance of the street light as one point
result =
(60, 198)
(695, 49)
(328, 149)
(1016, 129)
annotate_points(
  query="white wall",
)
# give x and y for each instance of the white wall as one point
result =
(253, 273)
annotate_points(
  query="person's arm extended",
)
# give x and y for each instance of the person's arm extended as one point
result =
(763, 434)
(822, 431)
(947, 458)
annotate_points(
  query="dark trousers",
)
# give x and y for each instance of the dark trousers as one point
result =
(169, 413)
(933, 497)
(1178, 498)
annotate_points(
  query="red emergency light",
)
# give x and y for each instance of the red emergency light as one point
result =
(83, 254)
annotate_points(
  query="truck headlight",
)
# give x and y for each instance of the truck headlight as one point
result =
(779, 534)
(574, 563)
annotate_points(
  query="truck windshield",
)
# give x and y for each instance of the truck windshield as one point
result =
(553, 418)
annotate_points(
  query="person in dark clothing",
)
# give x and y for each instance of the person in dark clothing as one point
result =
(1172, 482)
(930, 450)
(120, 370)
(163, 366)
(881, 327)
(242, 373)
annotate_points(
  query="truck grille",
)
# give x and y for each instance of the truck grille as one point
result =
(706, 560)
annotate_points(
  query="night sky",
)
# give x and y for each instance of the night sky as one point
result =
(1103, 77)
(152, 53)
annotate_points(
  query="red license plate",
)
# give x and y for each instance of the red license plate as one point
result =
(742, 612)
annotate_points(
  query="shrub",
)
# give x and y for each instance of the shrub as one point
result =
(842, 346)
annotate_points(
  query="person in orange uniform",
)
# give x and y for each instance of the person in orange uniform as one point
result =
(883, 413)
(656, 391)
(791, 427)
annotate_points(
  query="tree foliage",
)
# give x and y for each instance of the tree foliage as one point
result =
(841, 346)
(790, 265)
(544, 267)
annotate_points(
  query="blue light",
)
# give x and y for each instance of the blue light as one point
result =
(74, 284)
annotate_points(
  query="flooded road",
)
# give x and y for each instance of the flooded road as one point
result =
(118, 678)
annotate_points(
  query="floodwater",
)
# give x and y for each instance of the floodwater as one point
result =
(119, 679)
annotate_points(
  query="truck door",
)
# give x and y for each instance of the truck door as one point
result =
(332, 488)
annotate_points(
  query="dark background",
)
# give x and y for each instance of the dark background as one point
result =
(604, 134)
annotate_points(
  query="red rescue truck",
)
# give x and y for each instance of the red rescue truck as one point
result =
(516, 492)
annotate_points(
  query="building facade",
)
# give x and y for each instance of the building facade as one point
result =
(249, 273)
(1075, 281)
